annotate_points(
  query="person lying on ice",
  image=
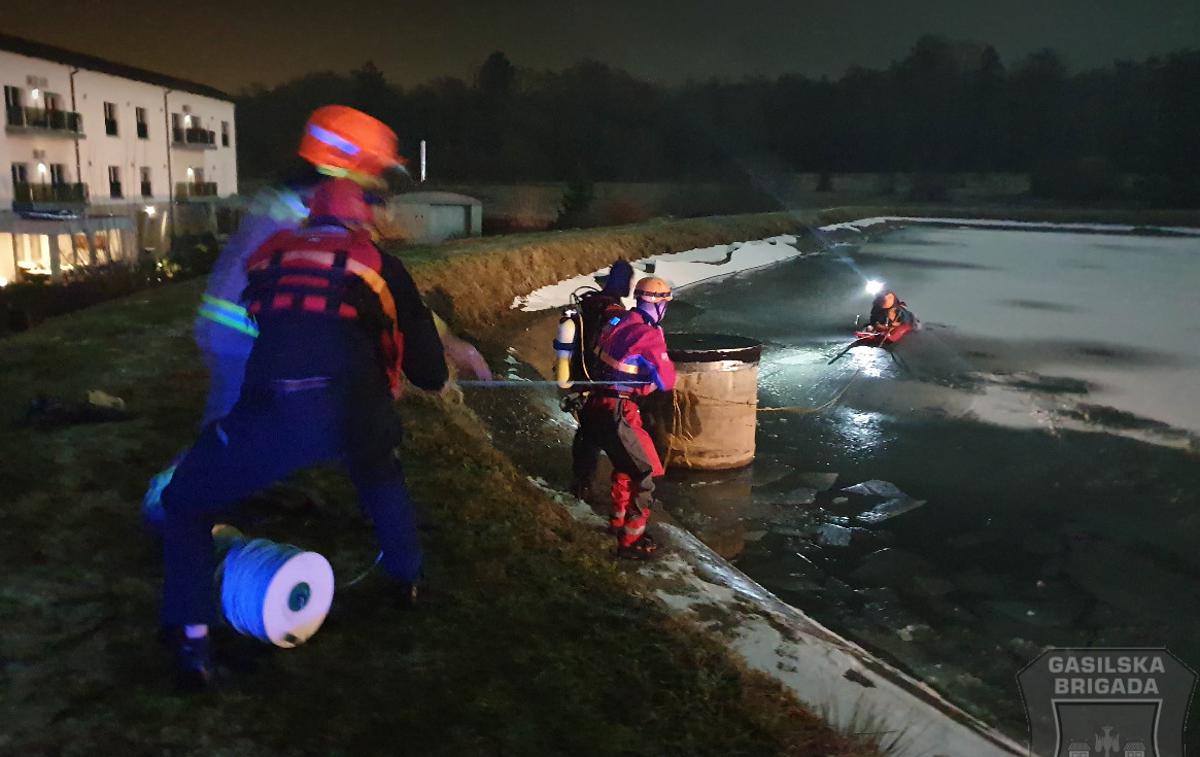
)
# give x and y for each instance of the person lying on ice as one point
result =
(575, 345)
(888, 312)
(632, 349)
(340, 323)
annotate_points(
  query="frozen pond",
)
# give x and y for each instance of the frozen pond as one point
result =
(1047, 417)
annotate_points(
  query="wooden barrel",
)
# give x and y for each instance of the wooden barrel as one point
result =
(709, 421)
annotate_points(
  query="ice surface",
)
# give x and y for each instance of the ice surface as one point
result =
(890, 509)
(875, 488)
(1119, 303)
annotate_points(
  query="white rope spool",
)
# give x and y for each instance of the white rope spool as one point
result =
(276, 593)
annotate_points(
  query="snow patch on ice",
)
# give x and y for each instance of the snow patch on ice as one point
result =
(1109, 228)
(682, 269)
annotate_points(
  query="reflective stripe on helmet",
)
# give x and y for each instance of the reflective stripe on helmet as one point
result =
(333, 140)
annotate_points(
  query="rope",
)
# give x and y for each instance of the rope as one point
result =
(769, 409)
(812, 410)
(249, 568)
(364, 574)
(680, 433)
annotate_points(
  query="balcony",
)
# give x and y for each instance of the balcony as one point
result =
(40, 121)
(195, 190)
(196, 139)
(33, 196)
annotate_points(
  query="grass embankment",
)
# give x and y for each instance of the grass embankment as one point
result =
(531, 641)
(472, 282)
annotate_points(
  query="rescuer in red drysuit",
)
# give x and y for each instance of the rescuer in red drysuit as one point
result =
(575, 349)
(632, 349)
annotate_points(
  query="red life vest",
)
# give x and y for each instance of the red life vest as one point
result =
(332, 272)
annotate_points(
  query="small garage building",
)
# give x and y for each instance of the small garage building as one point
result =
(423, 217)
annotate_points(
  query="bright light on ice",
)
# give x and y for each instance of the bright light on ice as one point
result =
(874, 287)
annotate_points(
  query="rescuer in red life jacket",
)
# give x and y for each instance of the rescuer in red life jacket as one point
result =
(340, 323)
(575, 349)
(888, 312)
(631, 348)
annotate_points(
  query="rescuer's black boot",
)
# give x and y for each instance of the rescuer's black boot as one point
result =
(193, 662)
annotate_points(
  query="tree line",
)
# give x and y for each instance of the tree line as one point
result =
(1126, 131)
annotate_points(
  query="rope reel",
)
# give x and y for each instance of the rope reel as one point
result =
(276, 593)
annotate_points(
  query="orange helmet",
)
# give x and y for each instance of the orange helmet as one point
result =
(652, 289)
(342, 141)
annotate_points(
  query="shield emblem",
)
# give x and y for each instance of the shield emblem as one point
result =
(1106, 702)
(1106, 729)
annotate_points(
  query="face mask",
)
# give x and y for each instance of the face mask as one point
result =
(654, 310)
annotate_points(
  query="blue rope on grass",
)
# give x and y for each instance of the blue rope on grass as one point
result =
(249, 568)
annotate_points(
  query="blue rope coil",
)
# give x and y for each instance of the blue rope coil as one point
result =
(250, 567)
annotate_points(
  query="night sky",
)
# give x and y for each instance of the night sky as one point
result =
(231, 44)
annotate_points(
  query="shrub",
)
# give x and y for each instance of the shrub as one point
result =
(576, 201)
(26, 304)
(193, 255)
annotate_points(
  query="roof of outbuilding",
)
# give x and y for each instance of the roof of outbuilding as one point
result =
(33, 49)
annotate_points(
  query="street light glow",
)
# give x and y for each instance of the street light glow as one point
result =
(874, 287)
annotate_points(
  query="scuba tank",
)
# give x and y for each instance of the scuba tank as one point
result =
(571, 341)
(565, 347)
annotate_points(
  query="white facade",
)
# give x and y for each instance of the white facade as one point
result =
(113, 150)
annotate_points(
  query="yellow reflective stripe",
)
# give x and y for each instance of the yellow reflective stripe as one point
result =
(220, 304)
(615, 364)
(244, 325)
(378, 286)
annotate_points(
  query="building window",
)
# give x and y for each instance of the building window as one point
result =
(143, 129)
(52, 102)
(114, 182)
(14, 106)
(147, 188)
(224, 134)
(58, 174)
(110, 119)
(20, 173)
(176, 128)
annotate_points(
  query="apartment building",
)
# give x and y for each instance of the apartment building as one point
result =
(100, 157)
